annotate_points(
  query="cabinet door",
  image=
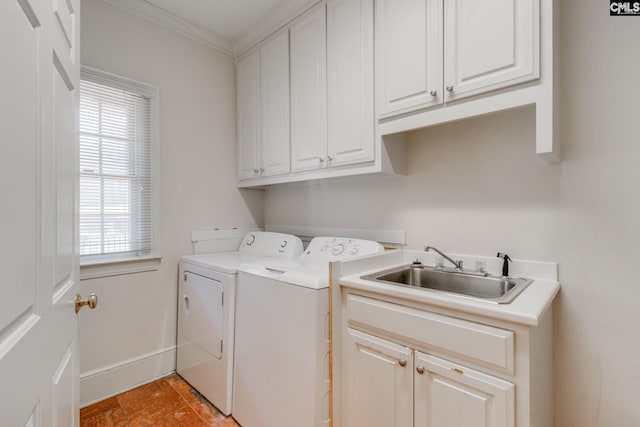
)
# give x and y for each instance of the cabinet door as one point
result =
(408, 55)
(309, 91)
(379, 382)
(489, 45)
(447, 394)
(350, 81)
(274, 103)
(248, 72)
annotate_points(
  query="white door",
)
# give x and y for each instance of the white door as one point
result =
(248, 72)
(309, 91)
(274, 105)
(489, 45)
(379, 382)
(39, 368)
(408, 55)
(447, 394)
(350, 81)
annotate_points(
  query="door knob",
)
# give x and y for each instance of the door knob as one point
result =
(92, 301)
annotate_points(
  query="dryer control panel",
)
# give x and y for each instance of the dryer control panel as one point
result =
(274, 245)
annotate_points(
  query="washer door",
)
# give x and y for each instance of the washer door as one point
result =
(201, 312)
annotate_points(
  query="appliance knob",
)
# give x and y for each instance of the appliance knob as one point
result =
(338, 249)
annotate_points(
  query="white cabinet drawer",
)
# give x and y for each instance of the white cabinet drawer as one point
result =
(485, 344)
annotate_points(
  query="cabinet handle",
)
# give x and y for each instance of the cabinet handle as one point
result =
(433, 93)
(321, 159)
(402, 362)
(420, 369)
(256, 171)
(450, 88)
(329, 158)
(261, 170)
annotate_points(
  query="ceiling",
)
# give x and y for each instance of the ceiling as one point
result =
(229, 19)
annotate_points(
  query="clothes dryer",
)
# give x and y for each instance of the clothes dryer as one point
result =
(206, 311)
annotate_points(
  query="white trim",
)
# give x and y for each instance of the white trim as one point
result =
(108, 381)
(272, 22)
(160, 16)
(393, 237)
(117, 267)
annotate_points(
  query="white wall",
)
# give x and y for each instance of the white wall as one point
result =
(477, 187)
(136, 315)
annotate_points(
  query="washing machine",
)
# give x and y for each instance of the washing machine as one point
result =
(281, 358)
(206, 311)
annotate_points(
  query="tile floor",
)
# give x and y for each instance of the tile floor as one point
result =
(169, 401)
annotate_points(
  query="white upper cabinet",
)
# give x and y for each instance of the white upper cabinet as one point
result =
(350, 81)
(263, 109)
(248, 76)
(489, 45)
(309, 91)
(274, 105)
(408, 54)
(480, 46)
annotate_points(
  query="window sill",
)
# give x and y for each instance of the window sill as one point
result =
(116, 267)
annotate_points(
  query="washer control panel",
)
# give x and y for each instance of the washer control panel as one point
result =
(276, 245)
(322, 250)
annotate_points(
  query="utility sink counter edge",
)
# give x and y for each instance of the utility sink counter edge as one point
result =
(522, 297)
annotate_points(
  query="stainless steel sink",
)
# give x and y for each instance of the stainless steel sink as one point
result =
(492, 289)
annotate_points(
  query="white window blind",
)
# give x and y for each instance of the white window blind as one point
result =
(115, 168)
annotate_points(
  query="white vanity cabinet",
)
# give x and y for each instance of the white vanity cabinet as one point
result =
(263, 109)
(380, 382)
(434, 51)
(449, 394)
(390, 385)
(405, 364)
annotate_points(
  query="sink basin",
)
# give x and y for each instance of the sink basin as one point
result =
(492, 289)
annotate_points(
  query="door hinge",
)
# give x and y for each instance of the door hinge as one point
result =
(185, 277)
(220, 346)
(223, 299)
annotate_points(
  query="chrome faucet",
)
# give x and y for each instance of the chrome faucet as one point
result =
(457, 264)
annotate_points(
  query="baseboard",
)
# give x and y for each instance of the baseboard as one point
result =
(109, 381)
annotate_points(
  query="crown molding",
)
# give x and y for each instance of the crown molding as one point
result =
(151, 12)
(272, 22)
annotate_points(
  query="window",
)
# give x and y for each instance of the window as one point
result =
(116, 168)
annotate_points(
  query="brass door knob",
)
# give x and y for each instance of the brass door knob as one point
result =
(92, 301)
